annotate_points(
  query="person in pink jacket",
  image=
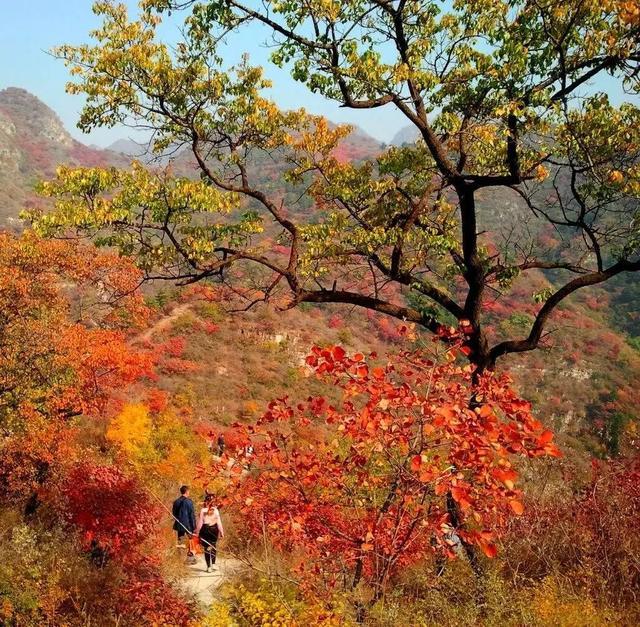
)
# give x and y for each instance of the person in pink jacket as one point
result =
(209, 529)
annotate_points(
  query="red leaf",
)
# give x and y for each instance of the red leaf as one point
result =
(546, 437)
(489, 549)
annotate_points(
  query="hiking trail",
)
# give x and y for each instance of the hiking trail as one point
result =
(203, 585)
(165, 322)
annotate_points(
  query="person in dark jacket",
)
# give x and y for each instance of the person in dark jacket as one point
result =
(184, 515)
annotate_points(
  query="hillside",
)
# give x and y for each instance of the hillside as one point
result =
(33, 142)
(570, 380)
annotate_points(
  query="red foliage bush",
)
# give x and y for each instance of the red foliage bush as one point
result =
(174, 347)
(210, 327)
(106, 506)
(370, 495)
(173, 366)
(156, 400)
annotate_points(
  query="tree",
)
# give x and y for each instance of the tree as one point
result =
(53, 367)
(365, 497)
(63, 345)
(500, 94)
(109, 507)
(67, 314)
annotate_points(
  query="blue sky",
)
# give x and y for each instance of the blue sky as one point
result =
(28, 29)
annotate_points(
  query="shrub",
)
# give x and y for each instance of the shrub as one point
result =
(211, 312)
(270, 605)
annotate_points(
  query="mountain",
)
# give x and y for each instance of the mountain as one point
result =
(406, 135)
(128, 147)
(26, 115)
(358, 145)
(572, 382)
(33, 141)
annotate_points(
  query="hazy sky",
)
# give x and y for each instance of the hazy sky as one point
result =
(29, 28)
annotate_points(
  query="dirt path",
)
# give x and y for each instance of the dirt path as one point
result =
(204, 585)
(197, 581)
(165, 323)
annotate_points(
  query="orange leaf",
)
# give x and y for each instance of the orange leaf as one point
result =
(447, 412)
(485, 410)
(416, 462)
(489, 549)
(517, 507)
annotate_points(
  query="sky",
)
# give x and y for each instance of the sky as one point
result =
(30, 28)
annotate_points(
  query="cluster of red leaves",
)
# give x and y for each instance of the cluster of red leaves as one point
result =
(149, 600)
(201, 292)
(170, 357)
(210, 327)
(335, 322)
(370, 496)
(102, 361)
(106, 505)
(156, 400)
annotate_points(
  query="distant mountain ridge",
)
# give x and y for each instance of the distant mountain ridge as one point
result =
(127, 147)
(33, 141)
(406, 135)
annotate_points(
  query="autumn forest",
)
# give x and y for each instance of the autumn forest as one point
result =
(259, 368)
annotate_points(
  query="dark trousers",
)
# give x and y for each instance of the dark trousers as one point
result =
(209, 539)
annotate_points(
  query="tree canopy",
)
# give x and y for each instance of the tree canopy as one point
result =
(365, 496)
(507, 99)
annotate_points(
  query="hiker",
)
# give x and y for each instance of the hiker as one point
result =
(208, 529)
(184, 515)
(248, 453)
(220, 445)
